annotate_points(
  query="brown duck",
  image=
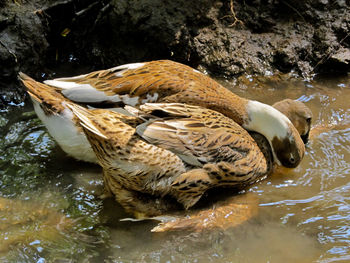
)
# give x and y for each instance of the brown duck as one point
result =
(166, 82)
(170, 150)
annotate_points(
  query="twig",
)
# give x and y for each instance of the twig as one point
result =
(329, 54)
(17, 2)
(294, 9)
(101, 13)
(233, 15)
(11, 52)
(87, 9)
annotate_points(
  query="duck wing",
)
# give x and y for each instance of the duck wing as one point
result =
(197, 135)
(137, 83)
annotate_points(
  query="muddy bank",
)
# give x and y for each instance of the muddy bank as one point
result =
(22, 46)
(234, 37)
(227, 38)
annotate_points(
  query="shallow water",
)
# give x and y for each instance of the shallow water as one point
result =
(49, 212)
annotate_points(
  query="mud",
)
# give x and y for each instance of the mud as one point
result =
(226, 38)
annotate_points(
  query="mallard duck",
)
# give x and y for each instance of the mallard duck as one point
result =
(169, 82)
(170, 149)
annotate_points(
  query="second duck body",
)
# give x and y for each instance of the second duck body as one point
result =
(174, 150)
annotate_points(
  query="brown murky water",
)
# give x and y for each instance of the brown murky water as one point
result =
(49, 212)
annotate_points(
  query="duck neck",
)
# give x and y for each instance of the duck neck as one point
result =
(267, 121)
(230, 105)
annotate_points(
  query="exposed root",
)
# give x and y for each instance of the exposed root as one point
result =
(18, 2)
(233, 15)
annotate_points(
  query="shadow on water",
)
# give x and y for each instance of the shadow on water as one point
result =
(50, 212)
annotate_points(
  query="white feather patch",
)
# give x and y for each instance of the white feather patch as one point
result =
(64, 131)
(62, 84)
(267, 120)
(122, 68)
(128, 66)
(132, 101)
(68, 78)
(88, 94)
(150, 98)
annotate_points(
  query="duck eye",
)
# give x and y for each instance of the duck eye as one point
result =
(308, 120)
(292, 160)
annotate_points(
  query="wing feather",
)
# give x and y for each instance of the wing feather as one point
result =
(85, 119)
(194, 142)
(163, 78)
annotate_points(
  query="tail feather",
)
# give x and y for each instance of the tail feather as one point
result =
(34, 97)
(24, 76)
(43, 93)
(32, 86)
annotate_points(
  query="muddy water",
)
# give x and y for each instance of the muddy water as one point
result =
(49, 212)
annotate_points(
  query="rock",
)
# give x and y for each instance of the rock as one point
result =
(23, 47)
(342, 55)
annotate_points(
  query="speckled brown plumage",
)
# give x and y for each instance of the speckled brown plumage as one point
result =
(181, 155)
(172, 81)
(204, 139)
(49, 99)
(167, 81)
(68, 133)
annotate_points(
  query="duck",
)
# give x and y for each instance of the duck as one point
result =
(163, 155)
(170, 150)
(49, 105)
(164, 81)
(236, 209)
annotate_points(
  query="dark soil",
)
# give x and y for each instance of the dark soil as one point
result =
(305, 37)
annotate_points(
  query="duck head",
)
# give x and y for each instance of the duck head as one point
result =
(287, 146)
(299, 114)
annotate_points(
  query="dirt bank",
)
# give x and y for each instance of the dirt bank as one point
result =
(227, 38)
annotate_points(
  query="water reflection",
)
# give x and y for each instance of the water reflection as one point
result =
(303, 214)
(45, 214)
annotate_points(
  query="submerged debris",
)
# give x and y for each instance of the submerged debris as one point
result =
(232, 212)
